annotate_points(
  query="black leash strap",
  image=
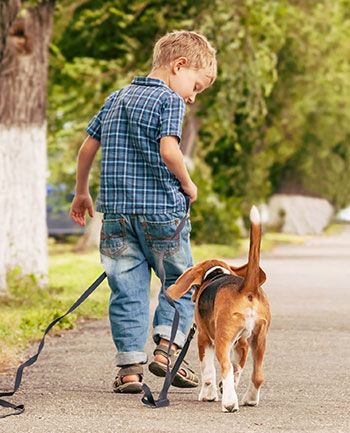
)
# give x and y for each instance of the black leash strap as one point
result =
(163, 400)
(18, 409)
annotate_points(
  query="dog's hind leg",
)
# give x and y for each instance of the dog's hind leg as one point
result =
(258, 346)
(239, 358)
(223, 344)
(240, 354)
(206, 356)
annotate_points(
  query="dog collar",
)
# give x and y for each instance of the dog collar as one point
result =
(215, 271)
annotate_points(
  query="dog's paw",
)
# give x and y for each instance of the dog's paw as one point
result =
(208, 393)
(229, 396)
(251, 397)
(230, 406)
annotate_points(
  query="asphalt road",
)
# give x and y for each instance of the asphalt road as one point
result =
(307, 364)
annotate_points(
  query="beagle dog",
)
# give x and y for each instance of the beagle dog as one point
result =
(232, 313)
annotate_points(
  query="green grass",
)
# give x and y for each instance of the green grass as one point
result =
(27, 311)
(334, 229)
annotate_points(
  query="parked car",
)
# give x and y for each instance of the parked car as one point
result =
(57, 209)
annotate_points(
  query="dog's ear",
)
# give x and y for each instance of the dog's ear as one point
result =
(193, 276)
(242, 270)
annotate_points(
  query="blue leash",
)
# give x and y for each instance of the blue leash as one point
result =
(148, 398)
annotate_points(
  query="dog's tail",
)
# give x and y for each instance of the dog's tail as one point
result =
(252, 277)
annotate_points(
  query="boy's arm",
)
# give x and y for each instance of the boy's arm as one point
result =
(82, 201)
(174, 160)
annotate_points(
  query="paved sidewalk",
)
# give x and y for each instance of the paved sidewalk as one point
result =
(307, 364)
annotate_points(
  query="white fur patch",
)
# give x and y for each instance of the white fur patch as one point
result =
(209, 271)
(229, 396)
(255, 215)
(251, 397)
(208, 391)
(250, 318)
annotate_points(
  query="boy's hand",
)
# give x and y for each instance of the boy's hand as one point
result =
(191, 190)
(81, 203)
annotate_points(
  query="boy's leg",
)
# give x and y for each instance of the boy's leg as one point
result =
(175, 264)
(128, 275)
(158, 229)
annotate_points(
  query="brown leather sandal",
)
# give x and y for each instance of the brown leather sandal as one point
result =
(128, 387)
(188, 380)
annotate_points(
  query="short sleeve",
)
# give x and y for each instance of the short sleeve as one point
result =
(94, 126)
(172, 116)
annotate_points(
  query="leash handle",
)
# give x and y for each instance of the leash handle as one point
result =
(163, 400)
(20, 408)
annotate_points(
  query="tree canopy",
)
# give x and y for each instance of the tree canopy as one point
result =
(276, 119)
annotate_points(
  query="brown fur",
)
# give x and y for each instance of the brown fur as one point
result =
(227, 321)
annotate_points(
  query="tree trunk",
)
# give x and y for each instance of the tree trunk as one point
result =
(8, 12)
(190, 134)
(91, 237)
(23, 164)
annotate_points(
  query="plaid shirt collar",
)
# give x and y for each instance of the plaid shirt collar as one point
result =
(146, 81)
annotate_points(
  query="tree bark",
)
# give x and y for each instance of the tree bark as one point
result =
(23, 163)
(8, 12)
(190, 134)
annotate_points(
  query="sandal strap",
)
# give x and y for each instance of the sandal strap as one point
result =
(128, 370)
(162, 349)
(185, 365)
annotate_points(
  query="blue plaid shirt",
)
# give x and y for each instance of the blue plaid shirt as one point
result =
(134, 179)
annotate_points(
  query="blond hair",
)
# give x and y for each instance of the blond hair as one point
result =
(192, 45)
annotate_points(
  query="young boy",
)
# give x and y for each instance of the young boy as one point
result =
(142, 171)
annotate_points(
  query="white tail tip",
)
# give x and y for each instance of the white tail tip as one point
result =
(255, 215)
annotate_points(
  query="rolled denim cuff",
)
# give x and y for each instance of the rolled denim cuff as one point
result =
(164, 331)
(127, 358)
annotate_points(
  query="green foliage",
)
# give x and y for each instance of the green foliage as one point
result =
(211, 218)
(276, 119)
(40, 305)
(233, 125)
(28, 309)
(308, 120)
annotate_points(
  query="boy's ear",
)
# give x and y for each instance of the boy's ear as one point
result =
(193, 276)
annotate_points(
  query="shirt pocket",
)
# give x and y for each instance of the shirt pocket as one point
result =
(113, 237)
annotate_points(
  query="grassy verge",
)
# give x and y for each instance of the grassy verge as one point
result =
(27, 311)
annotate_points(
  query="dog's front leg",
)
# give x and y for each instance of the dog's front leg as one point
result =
(208, 390)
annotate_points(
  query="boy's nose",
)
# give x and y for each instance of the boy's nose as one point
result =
(191, 100)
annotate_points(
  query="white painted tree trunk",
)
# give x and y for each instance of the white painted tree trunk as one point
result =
(24, 42)
(23, 173)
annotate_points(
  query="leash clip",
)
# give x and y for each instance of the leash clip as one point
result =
(192, 332)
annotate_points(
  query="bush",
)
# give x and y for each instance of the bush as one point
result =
(213, 221)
